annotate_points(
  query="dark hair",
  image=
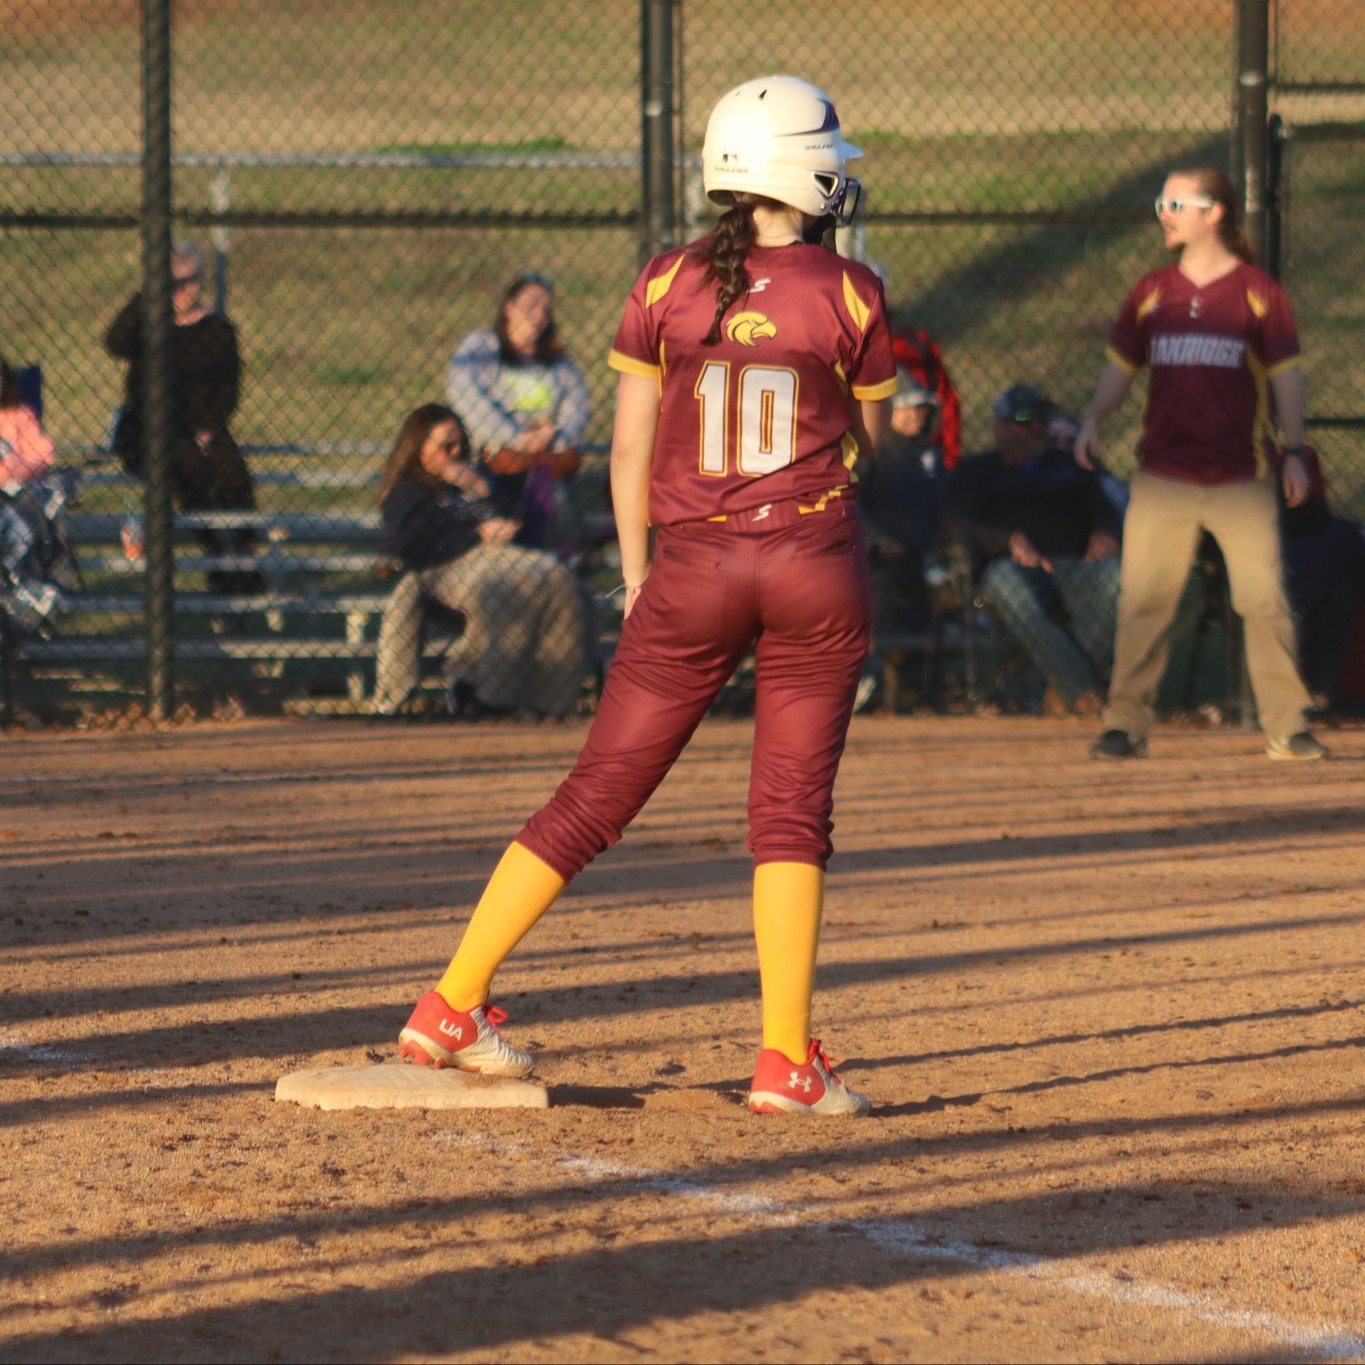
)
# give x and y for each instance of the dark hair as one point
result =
(549, 348)
(1219, 188)
(405, 459)
(725, 252)
(9, 385)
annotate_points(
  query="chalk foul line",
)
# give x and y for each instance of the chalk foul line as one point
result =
(1325, 1340)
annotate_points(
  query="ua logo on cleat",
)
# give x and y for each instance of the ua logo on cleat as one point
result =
(450, 1030)
(802, 1083)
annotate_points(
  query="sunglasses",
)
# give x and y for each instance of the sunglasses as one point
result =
(180, 281)
(451, 447)
(1200, 201)
(534, 277)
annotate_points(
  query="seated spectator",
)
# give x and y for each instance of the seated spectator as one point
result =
(524, 403)
(898, 501)
(209, 472)
(1045, 537)
(524, 645)
(25, 450)
(921, 357)
(1324, 559)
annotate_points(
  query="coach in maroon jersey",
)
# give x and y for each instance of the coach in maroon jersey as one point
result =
(754, 366)
(1219, 340)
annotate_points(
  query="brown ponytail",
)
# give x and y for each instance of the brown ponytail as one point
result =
(1219, 188)
(725, 252)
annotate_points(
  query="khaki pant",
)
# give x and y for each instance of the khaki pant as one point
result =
(1160, 535)
(524, 645)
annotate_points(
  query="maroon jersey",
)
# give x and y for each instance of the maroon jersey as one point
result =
(1211, 351)
(763, 416)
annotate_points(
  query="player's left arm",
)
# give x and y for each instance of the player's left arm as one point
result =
(1276, 337)
(1287, 386)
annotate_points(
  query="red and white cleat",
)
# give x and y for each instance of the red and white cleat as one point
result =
(780, 1086)
(438, 1035)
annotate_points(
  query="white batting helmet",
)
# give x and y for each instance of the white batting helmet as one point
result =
(779, 137)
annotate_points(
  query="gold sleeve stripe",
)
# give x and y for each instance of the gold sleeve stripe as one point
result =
(1148, 303)
(656, 289)
(871, 392)
(628, 365)
(1262, 429)
(1281, 366)
(1257, 303)
(858, 310)
(1121, 361)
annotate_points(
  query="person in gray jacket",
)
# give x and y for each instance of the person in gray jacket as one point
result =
(525, 404)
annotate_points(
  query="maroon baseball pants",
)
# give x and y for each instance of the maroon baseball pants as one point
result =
(797, 590)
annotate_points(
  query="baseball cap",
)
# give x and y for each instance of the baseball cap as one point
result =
(911, 394)
(1022, 403)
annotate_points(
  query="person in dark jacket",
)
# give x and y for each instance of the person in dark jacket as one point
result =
(1324, 560)
(898, 499)
(207, 466)
(1046, 536)
(524, 645)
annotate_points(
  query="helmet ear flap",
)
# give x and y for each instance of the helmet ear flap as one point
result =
(827, 182)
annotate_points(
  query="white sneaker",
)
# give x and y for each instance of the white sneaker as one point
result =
(862, 698)
(1300, 748)
(438, 1035)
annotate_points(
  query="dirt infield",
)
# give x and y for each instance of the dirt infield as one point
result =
(1111, 1017)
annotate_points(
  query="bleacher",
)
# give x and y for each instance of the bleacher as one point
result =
(306, 632)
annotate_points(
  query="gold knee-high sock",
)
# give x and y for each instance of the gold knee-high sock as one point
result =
(789, 900)
(520, 891)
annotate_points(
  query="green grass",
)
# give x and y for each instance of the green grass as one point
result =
(527, 146)
(973, 107)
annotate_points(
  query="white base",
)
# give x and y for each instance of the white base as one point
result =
(402, 1086)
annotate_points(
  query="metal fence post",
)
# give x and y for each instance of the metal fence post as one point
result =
(1251, 132)
(1248, 165)
(157, 334)
(656, 126)
(1274, 196)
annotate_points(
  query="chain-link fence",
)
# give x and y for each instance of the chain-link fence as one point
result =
(364, 181)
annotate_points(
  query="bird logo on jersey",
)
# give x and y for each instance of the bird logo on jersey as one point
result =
(747, 328)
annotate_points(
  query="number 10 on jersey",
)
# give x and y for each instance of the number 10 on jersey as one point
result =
(764, 424)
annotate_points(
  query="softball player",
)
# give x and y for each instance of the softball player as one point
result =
(1220, 344)
(753, 367)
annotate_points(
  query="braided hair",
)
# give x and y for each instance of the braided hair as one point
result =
(725, 253)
